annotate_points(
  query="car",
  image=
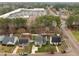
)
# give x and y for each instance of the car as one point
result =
(23, 54)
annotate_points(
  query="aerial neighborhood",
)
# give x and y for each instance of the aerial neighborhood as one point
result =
(47, 29)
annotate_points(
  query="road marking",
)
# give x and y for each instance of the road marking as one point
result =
(57, 49)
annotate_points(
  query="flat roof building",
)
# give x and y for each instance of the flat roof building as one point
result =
(24, 13)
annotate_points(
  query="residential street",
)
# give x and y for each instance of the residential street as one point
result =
(70, 39)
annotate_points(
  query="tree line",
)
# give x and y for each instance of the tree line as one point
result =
(41, 22)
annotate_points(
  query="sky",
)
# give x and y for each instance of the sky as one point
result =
(39, 0)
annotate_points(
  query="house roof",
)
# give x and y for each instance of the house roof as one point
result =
(56, 39)
(40, 40)
(9, 40)
(23, 41)
(46, 34)
(76, 23)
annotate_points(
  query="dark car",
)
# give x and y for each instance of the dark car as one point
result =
(23, 54)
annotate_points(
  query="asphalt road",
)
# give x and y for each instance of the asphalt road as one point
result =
(70, 39)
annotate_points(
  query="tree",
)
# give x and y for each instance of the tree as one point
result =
(18, 22)
(9, 25)
(46, 22)
(72, 20)
(21, 30)
(4, 24)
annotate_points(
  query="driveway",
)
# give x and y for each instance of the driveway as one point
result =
(15, 50)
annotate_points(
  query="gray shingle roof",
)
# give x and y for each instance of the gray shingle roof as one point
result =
(40, 41)
(8, 40)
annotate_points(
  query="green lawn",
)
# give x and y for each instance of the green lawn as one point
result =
(76, 34)
(6, 49)
(47, 48)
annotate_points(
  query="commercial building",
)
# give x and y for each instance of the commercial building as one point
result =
(24, 13)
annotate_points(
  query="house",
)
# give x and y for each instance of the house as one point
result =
(24, 39)
(46, 35)
(39, 40)
(56, 40)
(75, 25)
(9, 40)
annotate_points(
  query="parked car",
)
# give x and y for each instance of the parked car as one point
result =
(23, 54)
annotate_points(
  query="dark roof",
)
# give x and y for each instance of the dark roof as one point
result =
(23, 41)
(56, 39)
